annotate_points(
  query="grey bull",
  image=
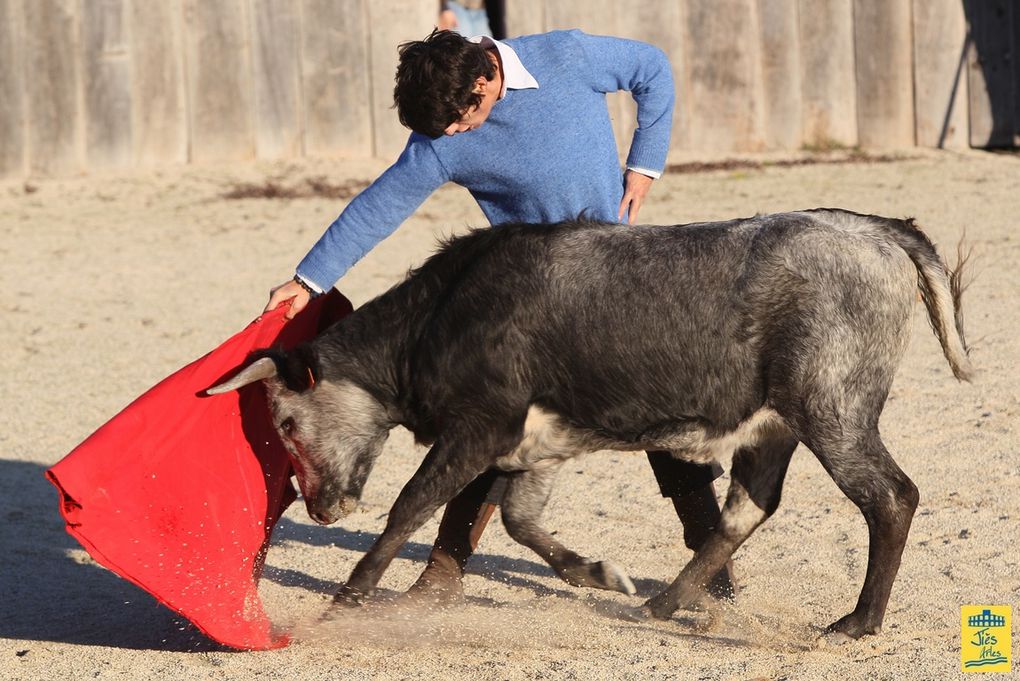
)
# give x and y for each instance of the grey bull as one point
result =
(522, 346)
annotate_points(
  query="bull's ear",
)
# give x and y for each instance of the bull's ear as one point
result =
(256, 371)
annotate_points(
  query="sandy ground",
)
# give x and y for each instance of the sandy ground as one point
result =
(112, 282)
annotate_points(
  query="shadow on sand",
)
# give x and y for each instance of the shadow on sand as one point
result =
(51, 590)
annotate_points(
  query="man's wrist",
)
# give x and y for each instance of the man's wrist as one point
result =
(654, 174)
(313, 290)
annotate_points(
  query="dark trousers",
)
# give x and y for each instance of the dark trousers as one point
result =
(677, 478)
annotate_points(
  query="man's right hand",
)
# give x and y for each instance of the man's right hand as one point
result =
(290, 290)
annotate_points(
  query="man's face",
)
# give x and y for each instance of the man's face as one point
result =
(475, 116)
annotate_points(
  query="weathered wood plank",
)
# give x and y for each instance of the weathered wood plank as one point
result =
(336, 93)
(884, 54)
(53, 122)
(827, 76)
(591, 16)
(391, 23)
(276, 45)
(12, 85)
(525, 17)
(780, 66)
(158, 96)
(723, 74)
(1016, 75)
(218, 80)
(990, 72)
(940, 79)
(106, 78)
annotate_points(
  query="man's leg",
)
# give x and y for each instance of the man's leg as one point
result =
(689, 486)
(464, 519)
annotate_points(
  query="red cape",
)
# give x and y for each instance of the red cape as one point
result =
(179, 492)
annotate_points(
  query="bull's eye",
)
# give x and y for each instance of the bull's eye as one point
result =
(287, 426)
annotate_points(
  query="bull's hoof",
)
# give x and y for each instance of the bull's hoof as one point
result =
(348, 597)
(846, 629)
(660, 607)
(600, 575)
(832, 639)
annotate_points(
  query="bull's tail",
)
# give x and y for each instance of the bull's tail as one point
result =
(941, 290)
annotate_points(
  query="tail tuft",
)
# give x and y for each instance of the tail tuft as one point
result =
(941, 290)
(957, 286)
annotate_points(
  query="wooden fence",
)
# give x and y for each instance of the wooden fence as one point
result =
(88, 84)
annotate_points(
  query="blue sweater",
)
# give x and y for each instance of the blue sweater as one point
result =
(543, 155)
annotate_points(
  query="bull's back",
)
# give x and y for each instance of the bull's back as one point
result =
(624, 327)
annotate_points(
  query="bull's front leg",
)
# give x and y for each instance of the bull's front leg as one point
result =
(449, 466)
(756, 484)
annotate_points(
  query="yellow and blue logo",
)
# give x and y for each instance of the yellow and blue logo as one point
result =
(986, 641)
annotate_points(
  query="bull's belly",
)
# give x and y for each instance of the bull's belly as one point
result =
(548, 438)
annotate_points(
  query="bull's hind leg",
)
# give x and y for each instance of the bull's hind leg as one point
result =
(867, 474)
(755, 488)
(525, 498)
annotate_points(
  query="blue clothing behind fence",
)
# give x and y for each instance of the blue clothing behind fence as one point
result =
(543, 155)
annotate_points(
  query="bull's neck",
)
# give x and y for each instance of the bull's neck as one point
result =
(373, 347)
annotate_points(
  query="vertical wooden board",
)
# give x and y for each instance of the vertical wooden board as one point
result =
(591, 16)
(723, 73)
(107, 85)
(780, 67)
(12, 85)
(218, 77)
(53, 126)
(525, 17)
(883, 46)
(940, 76)
(657, 22)
(990, 72)
(158, 95)
(1016, 75)
(391, 22)
(827, 72)
(335, 71)
(277, 94)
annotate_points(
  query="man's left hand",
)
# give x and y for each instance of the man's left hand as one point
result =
(635, 188)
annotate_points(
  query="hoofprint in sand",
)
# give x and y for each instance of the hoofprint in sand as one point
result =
(112, 282)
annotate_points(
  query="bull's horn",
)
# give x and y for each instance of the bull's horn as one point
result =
(256, 371)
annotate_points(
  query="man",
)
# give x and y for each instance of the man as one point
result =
(523, 125)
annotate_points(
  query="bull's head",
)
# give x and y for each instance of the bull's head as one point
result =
(333, 429)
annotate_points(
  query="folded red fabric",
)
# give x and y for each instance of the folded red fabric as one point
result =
(179, 492)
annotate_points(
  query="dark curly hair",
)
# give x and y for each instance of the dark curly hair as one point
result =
(436, 78)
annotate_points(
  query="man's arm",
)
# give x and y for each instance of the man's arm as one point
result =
(370, 217)
(643, 70)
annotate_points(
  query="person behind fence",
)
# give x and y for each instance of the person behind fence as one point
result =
(523, 125)
(473, 17)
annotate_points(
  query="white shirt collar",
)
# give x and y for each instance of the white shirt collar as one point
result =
(515, 76)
